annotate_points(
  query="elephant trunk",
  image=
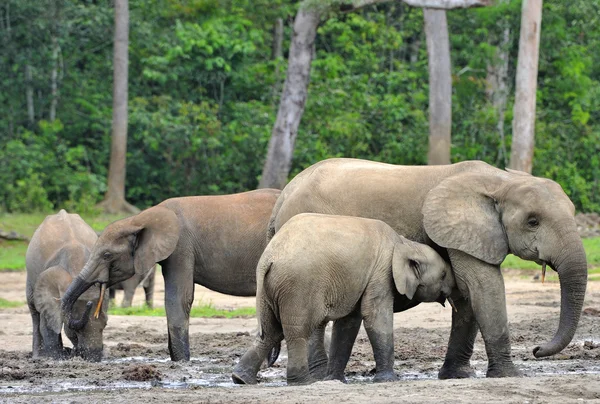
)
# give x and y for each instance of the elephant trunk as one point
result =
(572, 272)
(76, 289)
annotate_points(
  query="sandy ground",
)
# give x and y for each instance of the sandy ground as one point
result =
(137, 368)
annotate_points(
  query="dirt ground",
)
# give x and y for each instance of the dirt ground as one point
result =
(137, 368)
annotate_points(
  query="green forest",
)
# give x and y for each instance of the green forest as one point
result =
(204, 89)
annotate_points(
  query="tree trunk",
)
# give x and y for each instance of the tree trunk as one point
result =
(54, 79)
(497, 85)
(440, 86)
(277, 54)
(521, 156)
(293, 99)
(114, 200)
(29, 94)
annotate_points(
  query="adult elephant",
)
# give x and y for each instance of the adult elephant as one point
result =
(474, 215)
(215, 241)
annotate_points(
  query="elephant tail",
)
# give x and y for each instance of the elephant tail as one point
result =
(274, 354)
(264, 266)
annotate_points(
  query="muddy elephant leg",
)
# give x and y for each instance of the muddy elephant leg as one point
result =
(149, 288)
(111, 295)
(460, 346)
(128, 293)
(246, 369)
(37, 345)
(378, 317)
(297, 367)
(484, 285)
(317, 356)
(343, 336)
(179, 295)
(53, 346)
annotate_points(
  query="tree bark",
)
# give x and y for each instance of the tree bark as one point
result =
(293, 99)
(29, 94)
(521, 156)
(54, 79)
(440, 86)
(114, 200)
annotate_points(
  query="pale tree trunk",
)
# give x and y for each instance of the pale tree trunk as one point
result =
(497, 85)
(521, 156)
(29, 94)
(277, 54)
(114, 200)
(440, 86)
(293, 99)
(54, 73)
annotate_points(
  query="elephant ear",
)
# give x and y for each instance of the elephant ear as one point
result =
(156, 239)
(48, 291)
(405, 269)
(461, 213)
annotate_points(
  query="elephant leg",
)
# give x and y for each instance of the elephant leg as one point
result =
(149, 288)
(37, 335)
(317, 356)
(297, 367)
(246, 369)
(53, 346)
(460, 346)
(343, 336)
(378, 317)
(128, 293)
(484, 285)
(179, 295)
(111, 295)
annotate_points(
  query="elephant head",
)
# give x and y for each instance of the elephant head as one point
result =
(85, 334)
(489, 214)
(420, 272)
(126, 247)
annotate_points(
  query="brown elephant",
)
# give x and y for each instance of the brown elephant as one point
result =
(56, 254)
(474, 215)
(215, 241)
(320, 268)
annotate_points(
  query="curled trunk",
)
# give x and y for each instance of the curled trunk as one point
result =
(572, 272)
(76, 289)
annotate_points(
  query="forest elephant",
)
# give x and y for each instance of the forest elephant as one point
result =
(474, 215)
(320, 268)
(128, 287)
(56, 254)
(214, 241)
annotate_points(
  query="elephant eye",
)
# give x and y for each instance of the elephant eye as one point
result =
(106, 256)
(444, 275)
(532, 222)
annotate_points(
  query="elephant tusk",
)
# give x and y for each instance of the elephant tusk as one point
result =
(452, 304)
(543, 271)
(102, 290)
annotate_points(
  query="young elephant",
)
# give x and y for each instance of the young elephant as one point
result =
(319, 268)
(58, 250)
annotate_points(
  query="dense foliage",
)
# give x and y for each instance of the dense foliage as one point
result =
(204, 91)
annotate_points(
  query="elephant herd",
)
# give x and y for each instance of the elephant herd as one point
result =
(349, 241)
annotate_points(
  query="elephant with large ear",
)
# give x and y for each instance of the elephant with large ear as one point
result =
(473, 214)
(58, 250)
(320, 268)
(215, 241)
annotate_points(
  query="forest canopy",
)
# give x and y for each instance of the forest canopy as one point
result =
(204, 90)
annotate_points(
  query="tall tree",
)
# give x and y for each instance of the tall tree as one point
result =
(114, 200)
(521, 154)
(440, 86)
(293, 98)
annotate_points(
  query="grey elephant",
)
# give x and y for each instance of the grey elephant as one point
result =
(474, 215)
(319, 268)
(215, 241)
(128, 287)
(56, 254)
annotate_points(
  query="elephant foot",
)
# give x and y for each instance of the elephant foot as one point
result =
(382, 377)
(239, 376)
(341, 378)
(319, 372)
(456, 372)
(299, 378)
(506, 370)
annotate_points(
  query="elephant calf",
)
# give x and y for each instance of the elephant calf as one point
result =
(56, 254)
(319, 268)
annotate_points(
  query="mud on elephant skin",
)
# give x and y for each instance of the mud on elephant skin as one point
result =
(215, 241)
(322, 268)
(56, 254)
(473, 214)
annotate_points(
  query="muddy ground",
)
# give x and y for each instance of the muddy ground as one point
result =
(137, 368)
